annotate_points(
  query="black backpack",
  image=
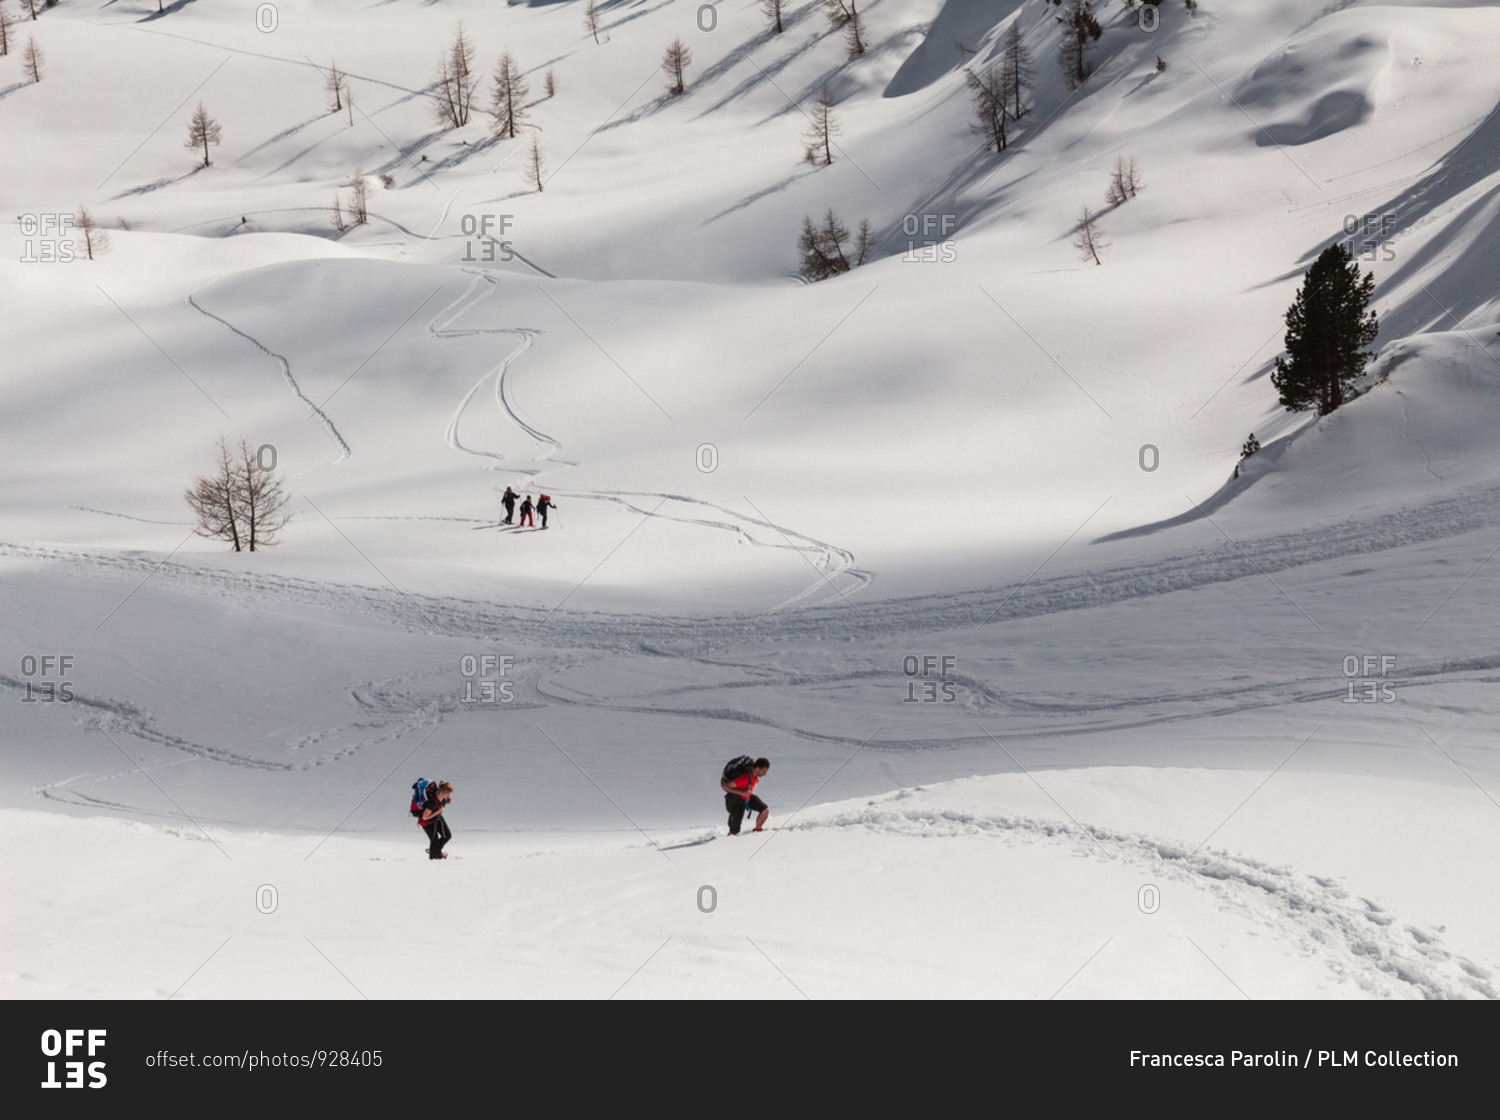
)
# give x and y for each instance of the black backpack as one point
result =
(737, 766)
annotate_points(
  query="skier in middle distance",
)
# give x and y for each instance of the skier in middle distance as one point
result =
(526, 508)
(543, 504)
(508, 500)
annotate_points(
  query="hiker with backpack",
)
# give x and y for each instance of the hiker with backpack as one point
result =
(428, 800)
(738, 783)
(526, 508)
(508, 500)
(543, 504)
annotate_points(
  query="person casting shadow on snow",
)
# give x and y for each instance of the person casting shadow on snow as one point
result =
(439, 794)
(738, 784)
(508, 500)
(526, 508)
(543, 504)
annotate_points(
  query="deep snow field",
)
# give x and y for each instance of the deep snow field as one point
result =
(1056, 704)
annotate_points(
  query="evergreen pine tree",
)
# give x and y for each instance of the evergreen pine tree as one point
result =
(1327, 330)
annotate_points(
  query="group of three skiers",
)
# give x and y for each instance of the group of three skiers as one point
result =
(740, 777)
(543, 504)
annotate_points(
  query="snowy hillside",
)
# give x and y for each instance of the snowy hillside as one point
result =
(960, 539)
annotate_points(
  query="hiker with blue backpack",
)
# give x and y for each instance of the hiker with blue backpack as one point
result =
(428, 800)
(738, 783)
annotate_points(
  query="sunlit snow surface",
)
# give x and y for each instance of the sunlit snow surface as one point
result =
(1208, 736)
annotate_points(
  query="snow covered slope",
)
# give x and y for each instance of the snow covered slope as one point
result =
(772, 494)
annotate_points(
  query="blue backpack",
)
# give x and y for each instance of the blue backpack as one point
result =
(419, 795)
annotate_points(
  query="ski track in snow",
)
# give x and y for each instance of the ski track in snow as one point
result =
(838, 576)
(880, 619)
(286, 373)
(1359, 940)
(480, 288)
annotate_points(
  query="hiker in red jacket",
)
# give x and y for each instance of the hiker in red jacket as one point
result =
(738, 785)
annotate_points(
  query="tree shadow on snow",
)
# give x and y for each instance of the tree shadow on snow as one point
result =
(175, 6)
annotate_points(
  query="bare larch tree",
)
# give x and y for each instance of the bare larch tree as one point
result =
(591, 18)
(1017, 73)
(95, 240)
(203, 130)
(1124, 181)
(334, 83)
(675, 62)
(821, 129)
(239, 502)
(214, 500)
(991, 114)
(1087, 239)
(845, 14)
(32, 59)
(507, 102)
(822, 247)
(359, 212)
(262, 501)
(773, 10)
(534, 163)
(453, 87)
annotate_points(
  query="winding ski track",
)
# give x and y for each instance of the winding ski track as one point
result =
(838, 576)
(286, 374)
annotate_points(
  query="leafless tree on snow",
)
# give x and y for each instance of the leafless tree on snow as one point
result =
(507, 102)
(203, 130)
(821, 129)
(95, 240)
(675, 62)
(1087, 240)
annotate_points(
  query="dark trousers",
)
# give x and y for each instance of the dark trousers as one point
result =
(439, 834)
(510, 513)
(737, 806)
